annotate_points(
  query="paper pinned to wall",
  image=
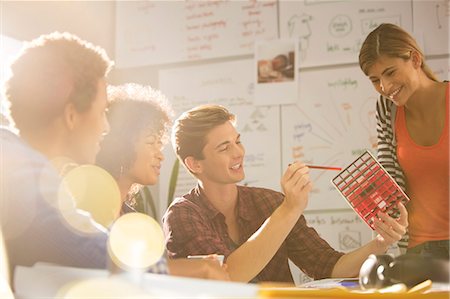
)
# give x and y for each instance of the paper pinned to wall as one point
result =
(440, 67)
(331, 32)
(9, 48)
(431, 25)
(342, 229)
(156, 32)
(276, 65)
(332, 124)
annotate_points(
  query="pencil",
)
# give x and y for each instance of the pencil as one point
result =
(218, 257)
(324, 167)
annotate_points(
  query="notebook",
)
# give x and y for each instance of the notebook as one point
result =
(369, 188)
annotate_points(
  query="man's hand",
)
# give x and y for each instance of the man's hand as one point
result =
(296, 186)
(208, 268)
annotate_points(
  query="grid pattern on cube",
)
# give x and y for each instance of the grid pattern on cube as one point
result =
(368, 188)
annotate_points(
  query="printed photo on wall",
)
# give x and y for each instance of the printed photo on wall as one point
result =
(276, 72)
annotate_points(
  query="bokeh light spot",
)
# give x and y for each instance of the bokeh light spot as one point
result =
(94, 190)
(136, 242)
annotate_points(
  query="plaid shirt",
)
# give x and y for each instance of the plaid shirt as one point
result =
(193, 226)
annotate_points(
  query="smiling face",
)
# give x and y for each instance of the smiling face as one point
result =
(396, 78)
(145, 169)
(223, 161)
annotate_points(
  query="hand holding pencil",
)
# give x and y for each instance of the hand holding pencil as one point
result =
(296, 183)
(296, 186)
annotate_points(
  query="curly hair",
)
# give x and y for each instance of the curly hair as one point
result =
(133, 109)
(50, 71)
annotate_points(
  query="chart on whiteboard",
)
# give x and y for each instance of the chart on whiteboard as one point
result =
(332, 124)
(331, 32)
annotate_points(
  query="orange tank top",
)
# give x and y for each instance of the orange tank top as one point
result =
(426, 170)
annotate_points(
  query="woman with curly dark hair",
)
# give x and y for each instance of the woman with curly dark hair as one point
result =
(140, 119)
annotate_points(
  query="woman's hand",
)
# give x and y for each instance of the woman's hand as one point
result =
(390, 230)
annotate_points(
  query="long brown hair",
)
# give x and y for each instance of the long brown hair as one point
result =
(392, 41)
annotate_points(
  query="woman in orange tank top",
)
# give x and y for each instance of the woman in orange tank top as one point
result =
(413, 132)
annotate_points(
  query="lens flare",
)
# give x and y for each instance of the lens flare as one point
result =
(136, 242)
(94, 190)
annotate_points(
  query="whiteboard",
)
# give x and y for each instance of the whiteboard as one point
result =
(259, 126)
(431, 25)
(343, 230)
(440, 67)
(331, 32)
(332, 124)
(157, 32)
(9, 48)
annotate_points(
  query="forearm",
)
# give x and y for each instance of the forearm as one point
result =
(389, 231)
(203, 268)
(180, 267)
(252, 256)
(350, 263)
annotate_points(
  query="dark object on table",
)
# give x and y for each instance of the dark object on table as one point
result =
(380, 271)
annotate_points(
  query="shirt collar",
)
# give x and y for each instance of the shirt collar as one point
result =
(212, 212)
(243, 203)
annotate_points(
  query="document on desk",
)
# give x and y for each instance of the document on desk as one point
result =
(46, 281)
(328, 283)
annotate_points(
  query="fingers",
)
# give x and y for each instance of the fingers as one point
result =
(296, 175)
(391, 229)
(403, 214)
(293, 169)
(214, 270)
(389, 234)
(296, 186)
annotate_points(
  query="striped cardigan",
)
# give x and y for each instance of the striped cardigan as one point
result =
(387, 149)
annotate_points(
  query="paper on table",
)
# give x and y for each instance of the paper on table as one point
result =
(44, 280)
(332, 283)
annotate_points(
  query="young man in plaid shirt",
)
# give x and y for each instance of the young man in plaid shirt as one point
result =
(256, 229)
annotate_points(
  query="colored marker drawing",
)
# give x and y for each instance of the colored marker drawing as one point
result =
(332, 124)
